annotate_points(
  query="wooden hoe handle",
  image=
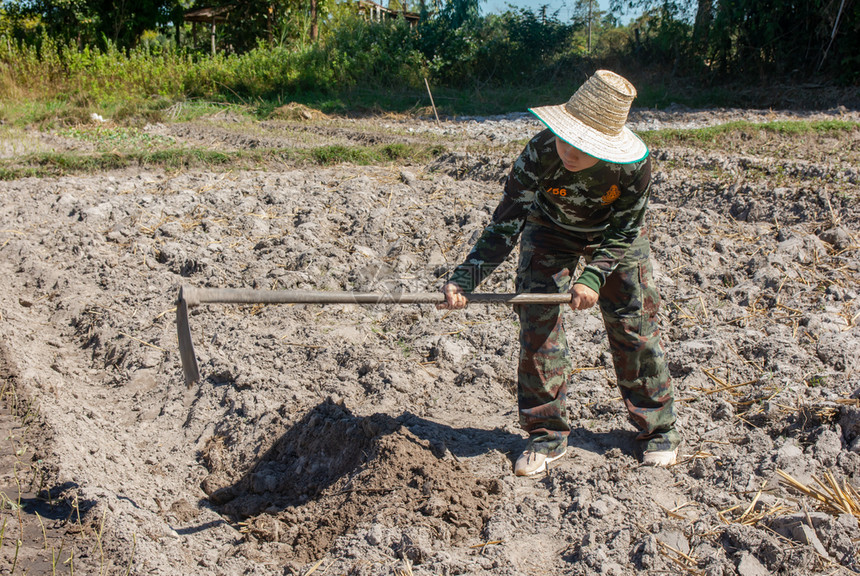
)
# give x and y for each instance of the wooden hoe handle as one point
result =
(190, 296)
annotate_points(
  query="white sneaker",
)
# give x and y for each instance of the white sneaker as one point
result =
(661, 458)
(530, 463)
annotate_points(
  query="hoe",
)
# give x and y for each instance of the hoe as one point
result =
(190, 297)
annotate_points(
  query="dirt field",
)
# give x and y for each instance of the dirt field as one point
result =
(370, 440)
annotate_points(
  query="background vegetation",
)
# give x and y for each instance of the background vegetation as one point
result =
(69, 58)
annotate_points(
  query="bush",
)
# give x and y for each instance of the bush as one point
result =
(514, 48)
(382, 54)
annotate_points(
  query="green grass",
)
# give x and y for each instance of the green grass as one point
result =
(819, 126)
(715, 135)
(449, 102)
(57, 113)
(118, 137)
(60, 113)
(60, 84)
(127, 146)
(58, 164)
(366, 155)
(181, 89)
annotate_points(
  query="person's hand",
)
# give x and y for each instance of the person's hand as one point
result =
(582, 297)
(455, 299)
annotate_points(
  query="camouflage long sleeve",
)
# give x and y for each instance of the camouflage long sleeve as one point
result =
(625, 223)
(501, 234)
(607, 202)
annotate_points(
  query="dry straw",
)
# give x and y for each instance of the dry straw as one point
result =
(684, 561)
(831, 497)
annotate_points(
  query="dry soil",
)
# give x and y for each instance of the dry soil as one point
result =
(367, 440)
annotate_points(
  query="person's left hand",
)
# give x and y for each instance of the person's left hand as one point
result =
(583, 297)
(455, 299)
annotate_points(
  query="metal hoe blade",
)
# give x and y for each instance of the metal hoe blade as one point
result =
(190, 297)
(186, 346)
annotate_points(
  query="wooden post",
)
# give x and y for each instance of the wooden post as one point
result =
(433, 104)
(213, 35)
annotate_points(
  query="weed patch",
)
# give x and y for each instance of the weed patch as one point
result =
(118, 137)
(58, 164)
(715, 136)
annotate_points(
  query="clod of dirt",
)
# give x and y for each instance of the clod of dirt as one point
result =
(333, 471)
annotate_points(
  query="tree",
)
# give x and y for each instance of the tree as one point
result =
(123, 21)
(760, 38)
(587, 14)
(460, 12)
(64, 20)
(702, 25)
(92, 22)
(772, 37)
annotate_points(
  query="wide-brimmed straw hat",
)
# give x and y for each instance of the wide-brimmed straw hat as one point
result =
(594, 119)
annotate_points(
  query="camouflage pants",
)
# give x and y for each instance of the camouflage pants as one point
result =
(628, 302)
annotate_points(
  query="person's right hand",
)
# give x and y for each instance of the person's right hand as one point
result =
(582, 297)
(455, 298)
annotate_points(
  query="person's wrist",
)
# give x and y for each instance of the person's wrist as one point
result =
(590, 279)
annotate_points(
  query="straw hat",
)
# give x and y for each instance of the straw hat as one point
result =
(594, 117)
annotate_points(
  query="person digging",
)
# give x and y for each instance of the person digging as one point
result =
(580, 189)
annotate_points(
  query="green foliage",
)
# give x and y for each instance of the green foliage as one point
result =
(385, 54)
(816, 381)
(274, 22)
(514, 48)
(113, 79)
(117, 137)
(364, 155)
(251, 24)
(67, 58)
(143, 152)
(661, 39)
(714, 136)
(458, 13)
(750, 39)
(88, 22)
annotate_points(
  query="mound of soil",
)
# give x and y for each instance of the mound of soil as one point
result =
(333, 471)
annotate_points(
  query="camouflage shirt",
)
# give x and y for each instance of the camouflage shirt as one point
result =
(607, 201)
